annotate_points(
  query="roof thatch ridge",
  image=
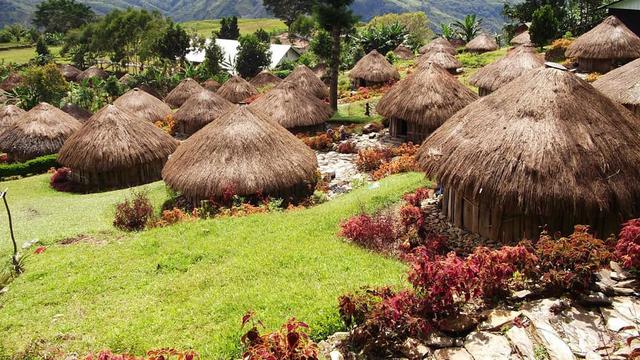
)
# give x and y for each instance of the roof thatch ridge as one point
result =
(482, 42)
(201, 109)
(243, 150)
(8, 116)
(143, 105)
(182, 92)
(439, 45)
(374, 67)
(77, 112)
(237, 90)
(622, 85)
(306, 80)
(545, 143)
(611, 39)
(211, 85)
(443, 59)
(292, 108)
(264, 78)
(92, 72)
(522, 39)
(115, 139)
(508, 68)
(69, 72)
(403, 52)
(427, 97)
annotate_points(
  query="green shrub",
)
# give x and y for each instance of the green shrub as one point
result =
(35, 166)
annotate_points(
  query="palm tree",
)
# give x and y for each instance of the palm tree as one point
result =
(469, 27)
(447, 31)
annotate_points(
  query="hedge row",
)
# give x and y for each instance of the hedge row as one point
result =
(35, 166)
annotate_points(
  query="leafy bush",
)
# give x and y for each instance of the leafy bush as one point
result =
(61, 180)
(253, 56)
(347, 147)
(161, 354)
(46, 82)
(628, 247)
(398, 165)
(321, 142)
(556, 51)
(291, 342)
(372, 232)
(382, 37)
(370, 159)
(32, 167)
(134, 214)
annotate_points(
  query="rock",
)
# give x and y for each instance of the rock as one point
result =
(459, 323)
(498, 318)
(622, 274)
(582, 330)
(519, 337)
(439, 340)
(592, 356)
(414, 349)
(628, 307)
(522, 294)
(540, 316)
(596, 299)
(485, 345)
(452, 354)
(615, 321)
(336, 355)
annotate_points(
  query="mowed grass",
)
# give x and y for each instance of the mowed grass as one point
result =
(188, 285)
(204, 28)
(22, 56)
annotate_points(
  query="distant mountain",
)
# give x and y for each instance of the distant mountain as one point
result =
(439, 11)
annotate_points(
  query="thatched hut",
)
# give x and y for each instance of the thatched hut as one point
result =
(182, 92)
(622, 85)
(92, 73)
(403, 52)
(116, 150)
(307, 81)
(77, 112)
(211, 85)
(439, 45)
(293, 109)
(482, 43)
(237, 90)
(199, 110)
(8, 116)
(604, 47)
(11, 82)
(143, 105)
(265, 78)
(522, 39)
(443, 59)
(125, 79)
(38, 132)
(244, 152)
(419, 104)
(69, 72)
(373, 69)
(561, 154)
(491, 77)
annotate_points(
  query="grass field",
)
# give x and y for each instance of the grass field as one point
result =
(188, 285)
(21, 56)
(247, 26)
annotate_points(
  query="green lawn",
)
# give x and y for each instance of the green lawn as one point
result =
(185, 286)
(473, 62)
(247, 26)
(355, 112)
(21, 56)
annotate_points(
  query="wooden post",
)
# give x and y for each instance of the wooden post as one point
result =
(16, 264)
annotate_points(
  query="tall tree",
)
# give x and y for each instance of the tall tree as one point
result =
(544, 26)
(17, 31)
(288, 10)
(213, 58)
(469, 27)
(173, 43)
(335, 17)
(229, 28)
(59, 16)
(253, 56)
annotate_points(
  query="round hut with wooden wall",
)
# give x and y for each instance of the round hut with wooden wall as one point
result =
(237, 90)
(143, 105)
(373, 69)
(518, 61)
(561, 154)
(182, 92)
(622, 85)
(439, 45)
(92, 73)
(211, 85)
(604, 47)
(293, 109)
(306, 80)
(38, 132)
(69, 72)
(114, 149)
(265, 79)
(244, 152)
(403, 52)
(442, 59)
(8, 116)
(522, 39)
(482, 43)
(201, 109)
(423, 101)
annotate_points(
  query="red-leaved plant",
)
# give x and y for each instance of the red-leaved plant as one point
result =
(628, 248)
(160, 354)
(61, 180)
(372, 232)
(133, 214)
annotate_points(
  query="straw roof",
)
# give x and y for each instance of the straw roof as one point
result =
(182, 92)
(40, 131)
(306, 80)
(243, 151)
(505, 70)
(92, 72)
(211, 85)
(439, 45)
(69, 72)
(292, 108)
(444, 60)
(622, 85)
(428, 97)
(143, 105)
(374, 68)
(611, 39)
(11, 82)
(482, 43)
(77, 112)
(237, 90)
(3, 96)
(8, 116)
(265, 78)
(201, 109)
(546, 143)
(124, 79)
(403, 52)
(522, 39)
(115, 139)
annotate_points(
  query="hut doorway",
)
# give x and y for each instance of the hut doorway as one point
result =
(398, 128)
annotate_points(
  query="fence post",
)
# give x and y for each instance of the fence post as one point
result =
(16, 263)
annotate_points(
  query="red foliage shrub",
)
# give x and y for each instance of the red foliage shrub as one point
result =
(347, 147)
(134, 214)
(161, 354)
(61, 180)
(628, 248)
(411, 215)
(401, 164)
(375, 233)
(494, 269)
(291, 342)
(228, 194)
(370, 159)
(416, 198)
(4, 158)
(321, 142)
(405, 149)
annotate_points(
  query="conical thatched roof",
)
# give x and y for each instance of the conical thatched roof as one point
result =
(292, 108)
(124, 79)
(143, 105)
(403, 52)
(243, 151)
(374, 68)
(114, 139)
(8, 116)
(306, 80)
(69, 72)
(609, 40)
(3, 97)
(482, 43)
(439, 45)
(11, 82)
(77, 112)
(40, 131)
(211, 85)
(92, 72)
(237, 90)
(182, 92)
(622, 85)
(428, 97)
(522, 39)
(546, 143)
(444, 60)
(265, 78)
(505, 70)
(201, 109)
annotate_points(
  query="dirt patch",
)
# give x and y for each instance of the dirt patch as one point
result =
(87, 239)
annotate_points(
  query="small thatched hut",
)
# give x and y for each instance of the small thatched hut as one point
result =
(211, 85)
(419, 104)
(553, 157)
(125, 79)
(373, 69)
(443, 59)
(8, 116)
(265, 78)
(77, 112)
(182, 92)
(482, 43)
(307, 81)
(604, 47)
(522, 39)
(293, 109)
(38, 132)
(69, 72)
(116, 150)
(11, 82)
(143, 105)
(245, 152)
(91, 73)
(237, 90)
(199, 110)
(403, 52)
(491, 77)
(439, 45)
(622, 85)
